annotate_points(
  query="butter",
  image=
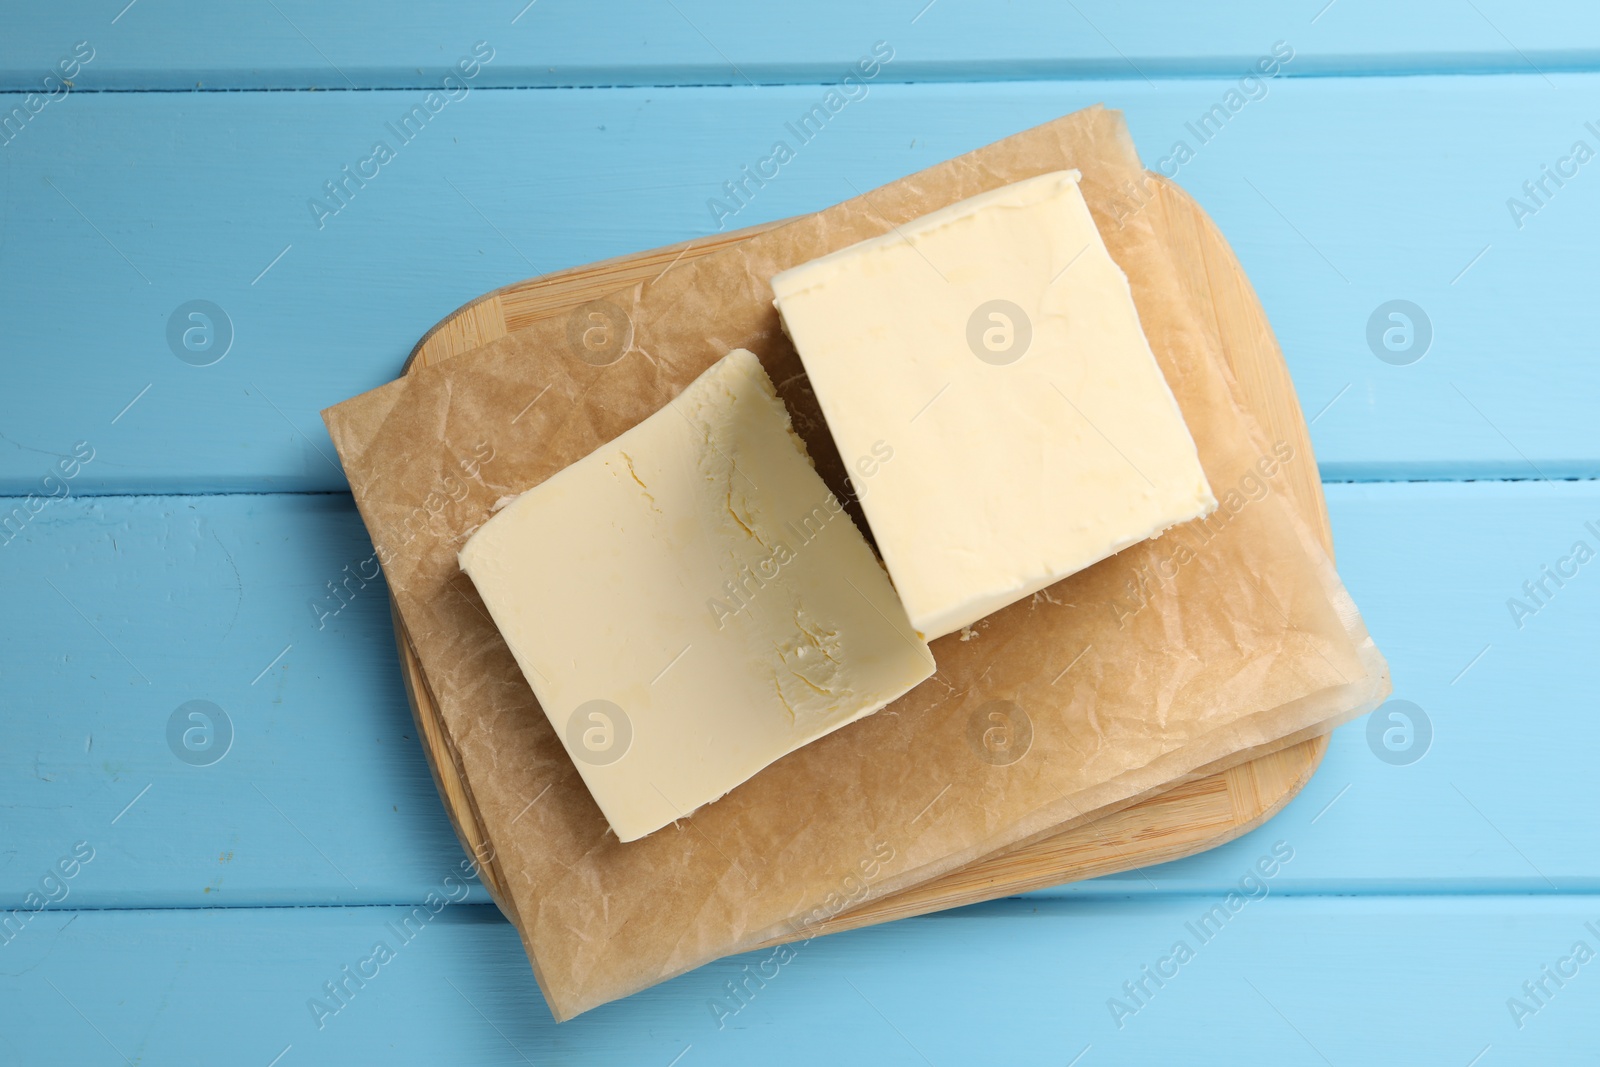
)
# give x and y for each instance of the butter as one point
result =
(690, 603)
(994, 345)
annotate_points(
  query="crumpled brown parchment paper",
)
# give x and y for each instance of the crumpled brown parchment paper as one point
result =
(1191, 652)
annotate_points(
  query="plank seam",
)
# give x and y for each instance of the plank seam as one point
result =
(1037, 900)
(996, 73)
(5, 498)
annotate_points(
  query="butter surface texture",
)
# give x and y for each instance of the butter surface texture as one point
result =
(995, 346)
(690, 602)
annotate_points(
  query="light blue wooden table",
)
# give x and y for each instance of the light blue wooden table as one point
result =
(173, 514)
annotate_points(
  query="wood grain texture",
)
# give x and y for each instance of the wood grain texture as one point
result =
(1286, 980)
(146, 603)
(299, 44)
(203, 592)
(1411, 181)
(1195, 816)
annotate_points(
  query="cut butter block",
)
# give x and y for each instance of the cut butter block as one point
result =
(993, 347)
(690, 602)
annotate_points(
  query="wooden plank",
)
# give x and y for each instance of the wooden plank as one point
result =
(216, 209)
(1289, 980)
(203, 592)
(147, 603)
(298, 44)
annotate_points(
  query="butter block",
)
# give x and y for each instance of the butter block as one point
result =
(690, 602)
(995, 347)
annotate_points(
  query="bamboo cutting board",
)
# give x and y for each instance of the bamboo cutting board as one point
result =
(1191, 816)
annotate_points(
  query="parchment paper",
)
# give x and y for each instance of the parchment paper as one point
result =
(1143, 670)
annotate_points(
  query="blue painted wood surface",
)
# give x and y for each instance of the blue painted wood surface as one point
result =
(209, 200)
(219, 898)
(300, 44)
(325, 795)
(1285, 980)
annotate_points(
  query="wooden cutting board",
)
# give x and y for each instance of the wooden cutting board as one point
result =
(1188, 818)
